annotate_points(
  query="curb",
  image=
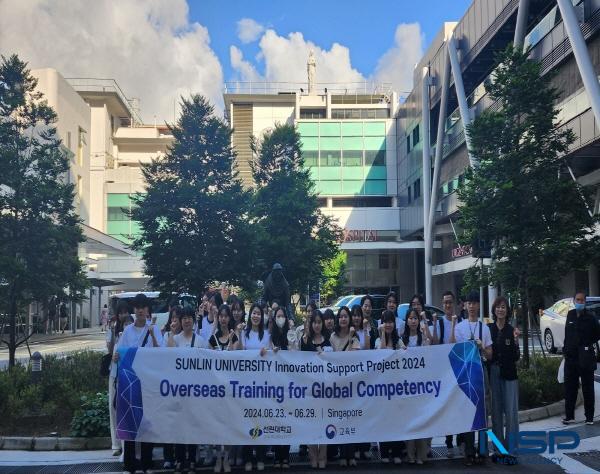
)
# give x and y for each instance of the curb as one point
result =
(548, 411)
(18, 443)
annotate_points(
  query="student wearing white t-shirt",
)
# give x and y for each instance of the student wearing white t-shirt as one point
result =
(416, 334)
(472, 329)
(254, 336)
(185, 454)
(139, 334)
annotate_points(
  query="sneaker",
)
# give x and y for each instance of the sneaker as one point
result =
(322, 464)
(469, 460)
(343, 463)
(397, 460)
(411, 460)
(385, 460)
(117, 452)
(277, 465)
(352, 462)
(285, 465)
(260, 466)
(589, 422)
(314, 464)
(450, 454)
(167, 465)
(568, 421)
(226, 465)
(419, 461)
(248, 467)
(357, 455)
(218, 465)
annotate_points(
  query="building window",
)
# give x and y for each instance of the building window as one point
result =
(312, 113)
(417, 189)
(384, 261)
(350, 114)
(408, 144)
(69, 140)
(322, 202)
(374, 157)
(330, 158)
(80, 144)
(352, 158)
(311, 157)
(415, 135)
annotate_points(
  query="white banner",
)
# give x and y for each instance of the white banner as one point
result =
(194, 396)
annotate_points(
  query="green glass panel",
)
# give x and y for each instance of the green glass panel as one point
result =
(374, 157)
(352, 143)
(375, 172)
(374, 143)
(353, 187)
(314, 173)
(136, 228)
(308, 129)
(352, 129)
(377, 187)
(374, 129)
(309, 143)
(330, 158)
(329, 188)
(330, 173)
(329, 129)
(117, 200)
(118, 227)
(330, 143)
(352, 173)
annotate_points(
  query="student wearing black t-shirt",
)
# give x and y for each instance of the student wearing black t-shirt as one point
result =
(503, 373)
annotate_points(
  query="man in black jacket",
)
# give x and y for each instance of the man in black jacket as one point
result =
(582, 331)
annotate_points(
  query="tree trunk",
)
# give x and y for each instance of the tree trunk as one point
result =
(12, 328)
(525, 313)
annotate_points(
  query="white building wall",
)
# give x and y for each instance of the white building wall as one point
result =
(265, 116)
(73, 118)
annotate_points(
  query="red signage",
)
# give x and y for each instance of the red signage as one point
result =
(462, 251)
(360, 236)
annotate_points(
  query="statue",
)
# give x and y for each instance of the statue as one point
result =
(277, 289)
(311, 68)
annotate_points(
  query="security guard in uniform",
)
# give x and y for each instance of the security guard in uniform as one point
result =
(582, 331)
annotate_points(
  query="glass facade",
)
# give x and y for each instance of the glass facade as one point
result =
(118, 223)
(345, 158)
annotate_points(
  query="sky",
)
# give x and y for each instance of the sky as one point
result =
(159, 50)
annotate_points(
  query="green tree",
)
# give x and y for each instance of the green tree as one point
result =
(291, 228)
(39, 229)
(334, 276)
(520, 197)
(193, 217)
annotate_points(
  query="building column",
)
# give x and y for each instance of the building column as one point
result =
(465, 113)
(521, 27)
(582, 55)
(426, 181)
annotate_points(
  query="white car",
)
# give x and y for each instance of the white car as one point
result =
(552, 323)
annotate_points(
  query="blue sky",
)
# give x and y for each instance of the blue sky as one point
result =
(365, 27)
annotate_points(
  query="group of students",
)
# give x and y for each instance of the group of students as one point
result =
(219, 326)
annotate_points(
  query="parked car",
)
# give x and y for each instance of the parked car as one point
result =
(352, 300)
(159, 308)
(403, 309)
(552, 322)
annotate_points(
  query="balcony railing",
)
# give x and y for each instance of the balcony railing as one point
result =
(341, 88)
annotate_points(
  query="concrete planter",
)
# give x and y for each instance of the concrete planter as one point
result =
(18, 443)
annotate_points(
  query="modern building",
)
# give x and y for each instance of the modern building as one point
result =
(349, 136)
(106, 142)
(486, 28)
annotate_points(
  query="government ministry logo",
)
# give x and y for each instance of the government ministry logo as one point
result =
(330, 431)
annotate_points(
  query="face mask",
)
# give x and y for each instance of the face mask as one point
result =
(579, 306)
(280, 322)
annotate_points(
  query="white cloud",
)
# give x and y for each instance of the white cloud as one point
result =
(249, 30)
(396, 65)
(148, 46)
(284, 60)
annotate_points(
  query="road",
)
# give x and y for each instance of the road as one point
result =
(57, 344)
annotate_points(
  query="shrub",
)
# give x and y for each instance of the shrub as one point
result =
(92, 419)
(538, 385)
